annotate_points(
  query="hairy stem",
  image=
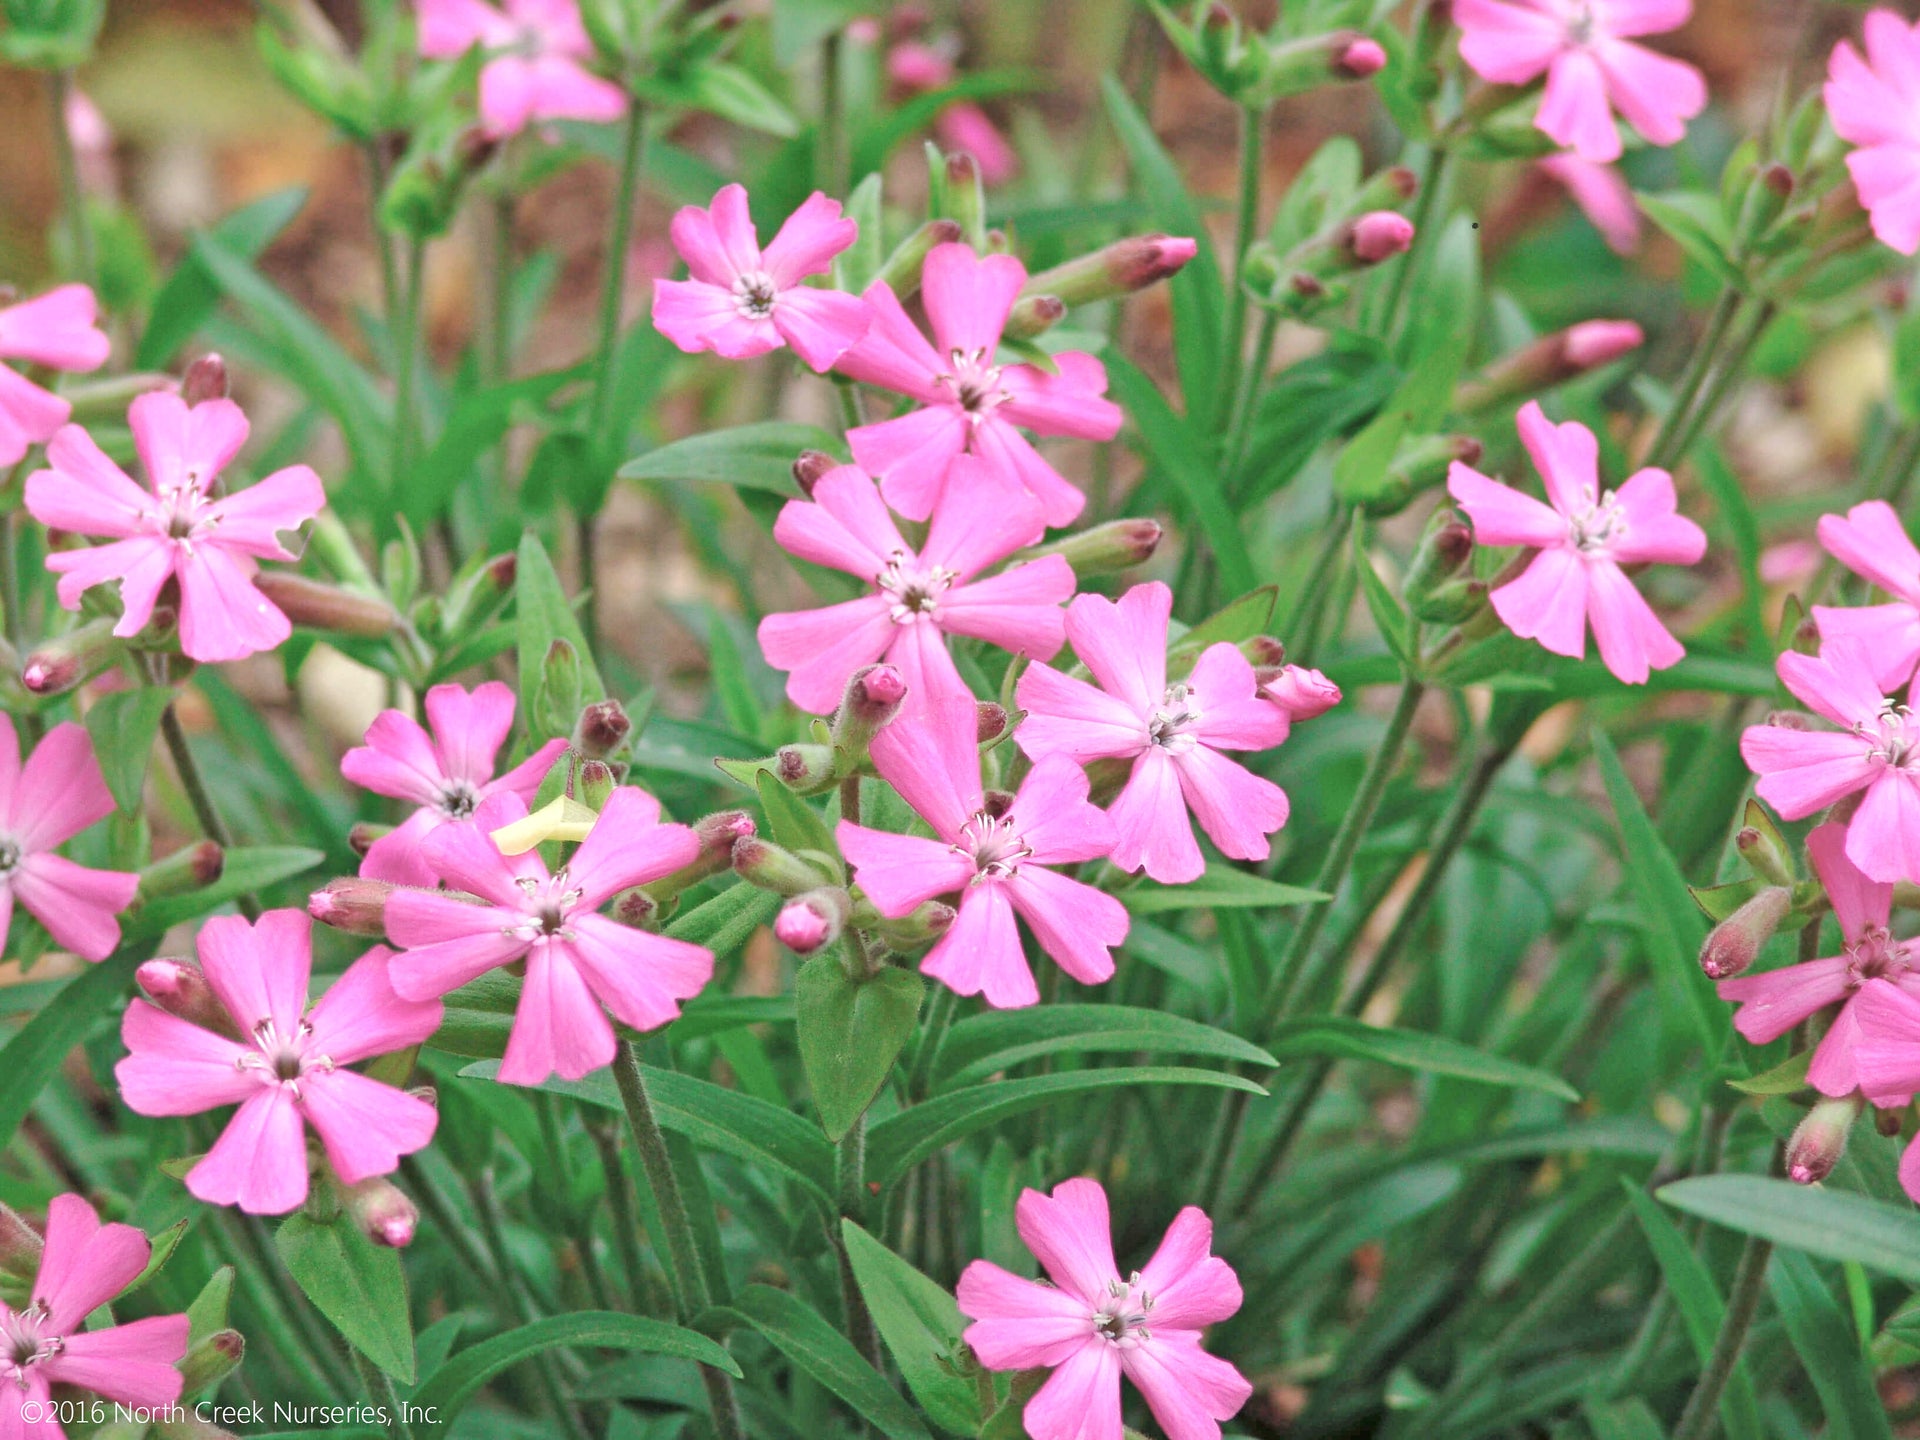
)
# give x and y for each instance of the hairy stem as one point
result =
(204, 810)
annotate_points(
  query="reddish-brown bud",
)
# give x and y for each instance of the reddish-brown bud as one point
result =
(352, 903)
(811, 467)
(1734, 944)
(205, 379)
(602, 729)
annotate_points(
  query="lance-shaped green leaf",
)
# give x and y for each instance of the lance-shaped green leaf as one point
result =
(1831, 1223)
(753, 457)
(1342, 1038)
(921, 1326)
(995, 1039)
(1221, 888)
(1829, 1349)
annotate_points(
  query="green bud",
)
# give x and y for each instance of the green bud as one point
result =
(761, 862)
(1764, 848)
(191, 867)
(211, 1361)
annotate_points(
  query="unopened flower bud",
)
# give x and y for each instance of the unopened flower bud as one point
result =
(180, 988)
(811, 467)
(1301, 691)
(472, 599)
(804, 769)
(1444, 551)
(902, 269)
(1127, 265)
(717, 834)
(1264, 652)
(593, 784)
(1820, 1139)
(70, 660)
(206, 379)
(990, 722)
(636, 909)
(1360, 59)
(208, 1363)
(190, 868)
(1733, 944)
(20, 1246)
(873, 696)
(601, 730)
(327, 607)
(922, 925)
(1764, 848)
(1887, 1122)
(1380, 236)
(767, 865)
(1551, 360)
(352, 903)
(1034, 315)
(812, 920)
(1790, 720)
(382, 1211)
(966, 196)
(364, 832)
(1103, 549)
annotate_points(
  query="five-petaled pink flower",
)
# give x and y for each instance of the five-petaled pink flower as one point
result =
(60, 330)
(535, 72)
(1877, 749)
(83, 1266)
(995, 858)
(1586, 50)
(1870, 541)
(182, 529)
(1173, 733)
(919, 598)
(1874, 102)
(1886, 1057)
(284, 1066)
(447, 773)
(744, 301)
(58, 793)
(1583, 540)
(1091, 1325)
(577, 959)
(1603, 197)
(1773, 1003)
(970, 402)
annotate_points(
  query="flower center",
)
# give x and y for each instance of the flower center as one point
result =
(1174, 719)
(10, 857)
(754, 294)
(283, 1059)
(973, 382)
(182, 513)
(1121, 1319)
(1583, 26)
(1890, 738)
(23, 1343)
(458, 800)
(549, 905)
(1875, 955)
(993, 845)
(915, 589)
(1595, 529)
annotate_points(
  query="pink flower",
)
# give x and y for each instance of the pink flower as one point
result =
(1871, 542)
(743, 301)
(1875, 105)
(1090, 1325)
(917, 67)
(577, 960)
(448, 774)
(1380, 235)
(1602, 196)
(971, 404)
(1886, 1054)
(1583, 541)
(917, 599)
(1173, 734)
(286, 1068)
(56, 795)
(1301, 692)
(536, 74)
(60, 330)
(1773, 1003)
(1585, 49)
(994, 858)
(85, 1265)
(1877, 749)
(181, 529)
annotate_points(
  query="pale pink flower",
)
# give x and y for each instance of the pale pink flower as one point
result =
(744, 301)
(1773, 1003)
(1091, 1325)
(1871, 542)
(577, 959)
(448, 773)
(1876, 749)
(1789, 563)
(1886, 1056)
(1173, 733)
(58, 793)
(287, 1068)
(1585, 48)
(181, 529)
(995, 859)
(918, 598)
(61, 331)
(84, 1266)
(970, 403)
(1603, 197)
(962, 127)
(1874, 103)
(1583, 539)
(535, 70)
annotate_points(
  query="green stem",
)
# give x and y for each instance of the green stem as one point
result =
(269, 1311)
(404, 335)
(382, 241)
(72, 203)
(1246, 221)
(1307, 623)
(1724, 377)
(850, 799)
(16, 630)
(381, 1392)
(1703, 1405)
(613, 283)
(691, 1291)
(486, 1205)
(589, 584)
(1239, 428)
(933, 1034)
(204, 810)
(643, 1294)
(851, 1167)
(1333, 872)
(1663, 451)
(1432, 181)
(499, 345)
